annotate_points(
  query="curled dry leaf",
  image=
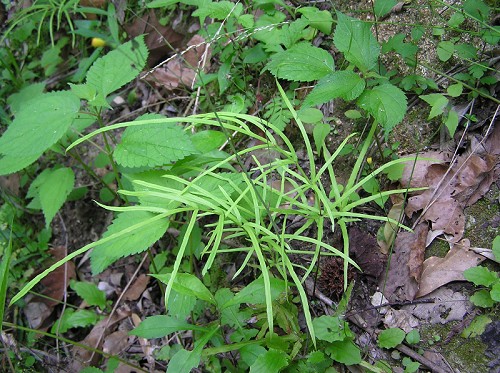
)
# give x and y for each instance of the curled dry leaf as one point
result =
(440, 271)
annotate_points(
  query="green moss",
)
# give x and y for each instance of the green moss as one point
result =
(479, 228)
(464, 355)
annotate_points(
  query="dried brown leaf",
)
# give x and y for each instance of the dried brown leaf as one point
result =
(137, 288)
(405, 267)
(441, 271)
(363, 246)
(116, 342)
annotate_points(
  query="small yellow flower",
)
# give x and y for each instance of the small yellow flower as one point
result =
(369, 160)
(98, 42)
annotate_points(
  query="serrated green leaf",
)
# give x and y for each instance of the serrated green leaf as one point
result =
(250, 353)
(355, 39)
(344, 84)
(345, 352)
(390, 338)
(54, 191)
(130, 243)
(254, 292)
(38, 125)
(319, 19)
(437, 101)
(270, 361)
(480, 276)
(118, 67)
(383, 7)
(153, 144)
(89, 292)
(208, 140)
(188, 284)
(482, 298)
(451, 122)
(301, 63)
(445, 50)
(160, 326)
(386, 103)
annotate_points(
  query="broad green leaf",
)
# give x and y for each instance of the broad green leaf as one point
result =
(390, 338)
(466, 51)
(413, 337)
(352, 114)
(74, 319)
(496, 248)
(456, 19)
(344, 84)
(495, 291)
(17, 100)
(476, 327)
(271, 361)
(331, 328)
(184, 361)
(301, 63)
(482, 298)
(476, 9)
(118, 67)
(54, 191)
(480, 276)
(310, 115)
(320, 132)
(153, 145)
(208, 140)
(231, 315)
(160, 326)
(445, 50)
(254, 292)
(181, 305)
(186, 283)
(218, 10)
(455, 90)
(383, 7)
(250, 353)
(319, 19)
(38, 125)
(386, 103)
(451, 122)
(344, 351)
(89, 292)
(437, 101)
(355, 39)
(130, 243)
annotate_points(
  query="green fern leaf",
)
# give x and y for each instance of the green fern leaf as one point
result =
(118, 67)
(36, 128)
(301, 63)
(153, 144)
(130, 243)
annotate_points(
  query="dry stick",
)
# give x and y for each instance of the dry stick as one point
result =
(115, 307)
(435, 197)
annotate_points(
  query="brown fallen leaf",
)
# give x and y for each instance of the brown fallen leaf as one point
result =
(450, 189)
(51, 287)
(137, 288)
(405, 267)
(363, 246)
(83, 357)
(441, 271)
(116, 342)
(183, 68)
